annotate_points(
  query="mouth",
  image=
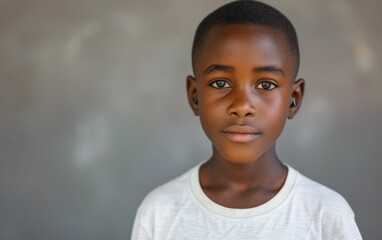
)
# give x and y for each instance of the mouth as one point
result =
(241, 133)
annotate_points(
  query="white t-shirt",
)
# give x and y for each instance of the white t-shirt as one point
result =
(302, 209)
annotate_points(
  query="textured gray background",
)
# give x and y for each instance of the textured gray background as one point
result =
(93, 112)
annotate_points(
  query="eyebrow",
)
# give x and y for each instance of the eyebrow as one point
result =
(225, 68)
(218, 67)
(271, 69)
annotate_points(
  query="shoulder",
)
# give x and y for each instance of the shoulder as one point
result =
(159, 203)
(332, 216)
(322, 197)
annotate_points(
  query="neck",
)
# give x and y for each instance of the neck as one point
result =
(266, 172)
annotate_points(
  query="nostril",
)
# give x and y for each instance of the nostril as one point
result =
(234, 114)
(249, 114)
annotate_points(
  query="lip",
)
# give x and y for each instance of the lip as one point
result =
(241, 133)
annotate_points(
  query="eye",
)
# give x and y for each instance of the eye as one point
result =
(266, 85)
(220, 84)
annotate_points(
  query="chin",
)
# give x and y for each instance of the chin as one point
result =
(240, 156)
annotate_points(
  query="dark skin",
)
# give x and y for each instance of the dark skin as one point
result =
(244, 81)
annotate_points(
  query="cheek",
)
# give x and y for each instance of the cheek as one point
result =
(212, 117)
(274, 116)
(209, 117)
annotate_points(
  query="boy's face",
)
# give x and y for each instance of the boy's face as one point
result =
(244, 82)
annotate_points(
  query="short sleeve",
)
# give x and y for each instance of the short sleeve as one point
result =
(339, 227)
(139, 231)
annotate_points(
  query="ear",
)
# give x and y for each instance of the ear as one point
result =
(298, 94)
(191, 94)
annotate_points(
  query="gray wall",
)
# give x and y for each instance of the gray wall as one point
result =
(93, 112)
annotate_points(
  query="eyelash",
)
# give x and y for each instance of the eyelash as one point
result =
(272, 86)
(258, 86)
(214, 83)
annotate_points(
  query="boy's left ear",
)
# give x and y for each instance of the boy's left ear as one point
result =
(297, 95)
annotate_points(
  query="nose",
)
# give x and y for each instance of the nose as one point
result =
(242, 105)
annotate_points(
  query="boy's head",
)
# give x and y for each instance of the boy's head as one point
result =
(247, 12)
(245, 60)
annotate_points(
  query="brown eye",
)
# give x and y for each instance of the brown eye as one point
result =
(220, 84)
(266, 85)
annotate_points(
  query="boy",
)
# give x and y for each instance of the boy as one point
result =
(245, 59)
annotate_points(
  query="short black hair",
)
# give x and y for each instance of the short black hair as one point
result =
(247, 12)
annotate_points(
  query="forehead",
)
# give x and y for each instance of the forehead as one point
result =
(245, 45)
